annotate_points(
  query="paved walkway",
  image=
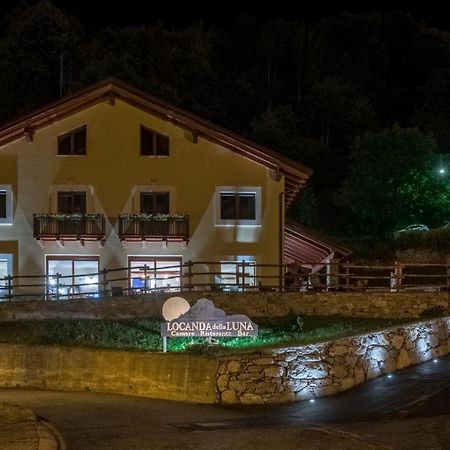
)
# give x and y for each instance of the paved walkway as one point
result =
(21, 430)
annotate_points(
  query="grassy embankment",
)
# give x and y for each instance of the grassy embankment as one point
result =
(144, 334)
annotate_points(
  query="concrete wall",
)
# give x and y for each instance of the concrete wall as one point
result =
(168, 376)
(299, 373)
(253, 304)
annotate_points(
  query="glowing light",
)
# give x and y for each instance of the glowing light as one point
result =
(390, 375)
(435, 360)
(442, 171)
(312, 400)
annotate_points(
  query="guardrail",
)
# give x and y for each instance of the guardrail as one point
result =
(239, 276)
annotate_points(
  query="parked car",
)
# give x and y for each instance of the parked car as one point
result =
(415, 227)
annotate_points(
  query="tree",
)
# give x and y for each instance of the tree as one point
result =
(393, 181)
(35, 51)
(433, 113)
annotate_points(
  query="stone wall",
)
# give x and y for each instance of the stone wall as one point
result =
(299, 373)
(252, 304)
(168, 376)
(272, 376)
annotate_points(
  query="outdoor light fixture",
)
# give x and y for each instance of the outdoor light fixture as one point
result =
(312, 400)
(435, 360)
(442, 171)
(389, 375)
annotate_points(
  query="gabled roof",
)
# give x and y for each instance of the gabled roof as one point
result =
(304, 245)
(109, 89)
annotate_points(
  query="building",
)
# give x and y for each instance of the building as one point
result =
(111, 177)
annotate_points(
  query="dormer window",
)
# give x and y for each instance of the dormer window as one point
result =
(73, 142)
(153, 143)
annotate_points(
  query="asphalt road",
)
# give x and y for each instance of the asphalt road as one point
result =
(408, 410)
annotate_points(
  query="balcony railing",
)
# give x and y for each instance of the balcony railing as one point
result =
(69, 227)
(156, 227)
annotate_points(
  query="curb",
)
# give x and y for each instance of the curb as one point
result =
(22, 423)
(57, 439)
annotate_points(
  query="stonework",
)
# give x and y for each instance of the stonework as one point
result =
(304, 372)
(253, 304)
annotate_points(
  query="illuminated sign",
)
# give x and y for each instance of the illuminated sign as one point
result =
(205, 320)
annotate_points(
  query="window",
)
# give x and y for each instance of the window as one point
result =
(5, 205)
(78, 276)
(155, 202)
(73, 143)
(236, 275)
(72, 202)
(238, 206)
(5, 270)
(153, 272)
(153, 143)
(2, 204)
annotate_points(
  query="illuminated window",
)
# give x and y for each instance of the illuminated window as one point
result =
(5, 205)
(5, 270)
(154, 273)
(238, 205)
(73, 142)
(237, 275)
(153, 143)
(78, 276)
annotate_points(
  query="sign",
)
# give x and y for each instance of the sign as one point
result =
(174, 307)
(205, 320)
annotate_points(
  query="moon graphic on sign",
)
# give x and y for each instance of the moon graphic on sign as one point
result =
(174, 307)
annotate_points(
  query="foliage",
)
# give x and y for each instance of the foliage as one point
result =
(144, 334)
(438, 240)
(156, 216)
(307, 90)
(392, 182)
(435, 311)
(71, 216)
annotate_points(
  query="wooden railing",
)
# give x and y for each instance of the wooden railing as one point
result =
(75, 226)
(137, 227)
(207, 276)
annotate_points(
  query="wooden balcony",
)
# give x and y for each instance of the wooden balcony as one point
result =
(69, 227)
(158, 227)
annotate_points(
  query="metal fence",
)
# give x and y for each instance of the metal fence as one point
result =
(239, 276)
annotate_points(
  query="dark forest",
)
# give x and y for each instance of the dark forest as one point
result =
(362, 99)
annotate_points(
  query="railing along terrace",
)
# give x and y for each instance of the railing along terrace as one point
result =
(154, 226)
(76, 225)
(242, 276)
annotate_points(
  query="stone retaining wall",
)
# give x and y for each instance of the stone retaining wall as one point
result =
(252, 304)
(168, 376)
(299, 373)
(272, 376)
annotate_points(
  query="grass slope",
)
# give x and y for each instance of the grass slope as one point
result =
(144, 334)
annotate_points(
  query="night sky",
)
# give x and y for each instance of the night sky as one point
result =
(96, 14)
